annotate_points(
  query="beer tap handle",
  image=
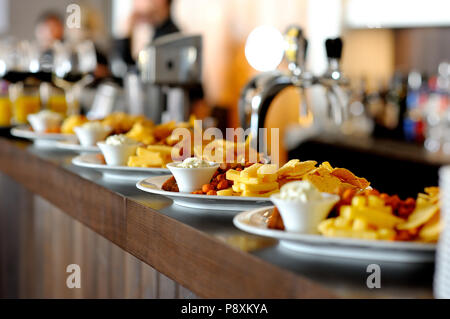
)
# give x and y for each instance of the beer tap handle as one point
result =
(296, 49)
(334, 48)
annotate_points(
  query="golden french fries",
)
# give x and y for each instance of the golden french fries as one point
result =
(365, 218)
(431, 230)
(142, 133)
(71, 122)
(426, 216)
(151, 156)
(257, 180)
(371, 218)
(225, 192)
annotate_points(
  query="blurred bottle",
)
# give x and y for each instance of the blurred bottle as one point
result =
(437, 111)
(395, 107)
(53, 98)
(376, 102)
(359, 122)
(416, 97)
(5, 105)
(25, 100)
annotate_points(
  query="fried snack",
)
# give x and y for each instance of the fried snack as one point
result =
(425, 222)
(163, 131)
(294, 169)
(71, 122)
(170, 185)
(219, 185)
(324, 177)
(324, 183)
(142, 133)
(224, 151)
(151, 156)
(274, 221)
(431, 230)
(101, 158)
(348, 177)
(366, 218)
(379, 216)
(121, 122)
(257, 180)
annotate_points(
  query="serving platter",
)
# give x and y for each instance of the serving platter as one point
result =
(93, 162)
(253, 221)
(226, 203)
(73, 146)
(25, 131)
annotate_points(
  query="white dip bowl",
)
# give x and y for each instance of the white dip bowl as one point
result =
(192, 178)
(304, 217)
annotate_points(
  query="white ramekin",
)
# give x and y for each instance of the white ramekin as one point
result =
(89, 137)
(192, 179)
(42, 124)
(304, 217)
(117, 155)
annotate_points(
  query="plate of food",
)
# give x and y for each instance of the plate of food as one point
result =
(361, 224)
(235, 186)
(45, 128)
(27, 132)
(96, 162)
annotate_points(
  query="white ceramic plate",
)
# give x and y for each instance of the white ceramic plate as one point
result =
(26, 132)
(378, 250)
(91, 161)
(75, 147)
(234, 203)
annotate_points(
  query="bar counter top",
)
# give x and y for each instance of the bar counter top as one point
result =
(198, 249)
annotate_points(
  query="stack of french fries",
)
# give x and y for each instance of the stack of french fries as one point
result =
(151, 156)
(370, 218)
(257, 180)
(366, 218)
(426, 217)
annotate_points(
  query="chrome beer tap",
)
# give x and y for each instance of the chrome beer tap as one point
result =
(260, 91)
(335, 83)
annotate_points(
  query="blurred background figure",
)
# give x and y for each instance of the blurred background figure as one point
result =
(92, 29)
(49, 29)
(148, 20)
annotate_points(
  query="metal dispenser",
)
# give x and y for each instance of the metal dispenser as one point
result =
(169, 67)
(258, 94)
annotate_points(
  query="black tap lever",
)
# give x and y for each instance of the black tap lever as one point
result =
(334, 48)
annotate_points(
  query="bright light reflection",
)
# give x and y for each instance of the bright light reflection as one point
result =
(264, 48)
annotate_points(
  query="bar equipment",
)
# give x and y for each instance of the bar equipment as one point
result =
(72, 64)
(258, 94)
(168, 67)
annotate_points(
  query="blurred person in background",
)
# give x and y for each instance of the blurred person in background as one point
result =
(49, 29)
(149, 20)
(92, 29)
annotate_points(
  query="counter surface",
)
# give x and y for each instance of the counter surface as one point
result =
(199, 249)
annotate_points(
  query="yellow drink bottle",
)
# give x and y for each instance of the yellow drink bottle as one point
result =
(5, 111)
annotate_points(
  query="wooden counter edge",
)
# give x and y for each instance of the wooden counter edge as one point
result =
(201, 263)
